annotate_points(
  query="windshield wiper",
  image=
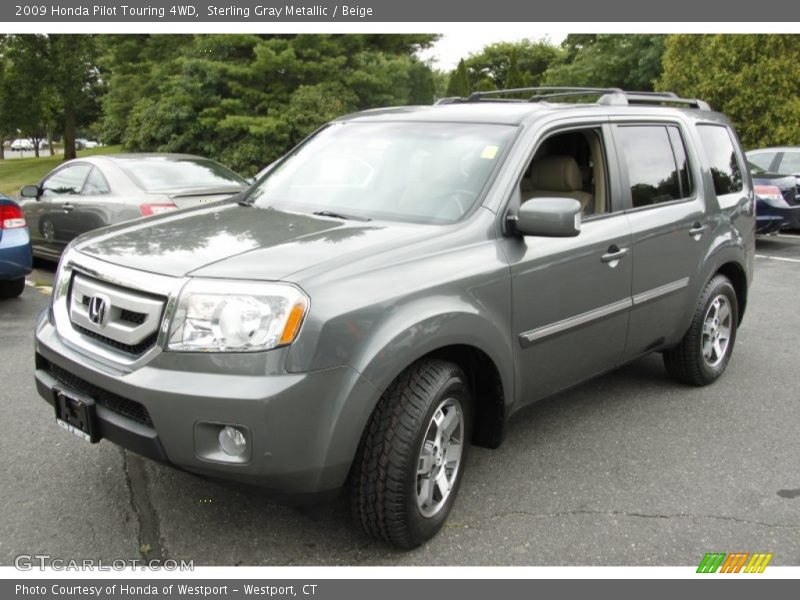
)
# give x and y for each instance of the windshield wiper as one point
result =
(338, 215)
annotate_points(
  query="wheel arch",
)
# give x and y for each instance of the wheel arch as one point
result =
(738, 278)
(467, 338)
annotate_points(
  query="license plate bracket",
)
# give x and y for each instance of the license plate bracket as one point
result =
(77, 414)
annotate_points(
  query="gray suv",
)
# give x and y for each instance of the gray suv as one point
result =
(398, 286)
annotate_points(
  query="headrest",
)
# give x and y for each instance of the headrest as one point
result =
(556, 174)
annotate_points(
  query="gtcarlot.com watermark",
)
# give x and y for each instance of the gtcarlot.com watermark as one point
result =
(29, 562)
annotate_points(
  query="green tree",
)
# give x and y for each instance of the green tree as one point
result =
(71, 60)
(246, 99)
(512, 64)
(751, 78)
(134, 67)
(26, 86)
(627, 61)
(458, 84)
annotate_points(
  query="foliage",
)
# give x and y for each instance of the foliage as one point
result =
(246, 99)
(627, 61)
(458, 84)
(49, 81)
(70, 62)
(751, 78)
(511, 64)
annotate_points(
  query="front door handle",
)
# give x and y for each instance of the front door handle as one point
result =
(613, 255)
(697, 230)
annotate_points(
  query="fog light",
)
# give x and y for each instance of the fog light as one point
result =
(232, 441)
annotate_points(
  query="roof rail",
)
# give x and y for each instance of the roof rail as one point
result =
(542, 93)
(608, 96)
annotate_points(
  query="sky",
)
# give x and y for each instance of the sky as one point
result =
(460, 44)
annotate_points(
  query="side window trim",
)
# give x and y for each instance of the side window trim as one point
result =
(673, 131)
(624, 176)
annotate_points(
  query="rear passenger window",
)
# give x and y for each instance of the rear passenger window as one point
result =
(722, 160)
(658, 169)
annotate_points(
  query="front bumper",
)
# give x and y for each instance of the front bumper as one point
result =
(302, 428)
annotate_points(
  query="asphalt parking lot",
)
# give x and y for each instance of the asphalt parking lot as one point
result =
(628, 469)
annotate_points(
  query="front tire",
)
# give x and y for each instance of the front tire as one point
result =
(705, 350)
(411, 458)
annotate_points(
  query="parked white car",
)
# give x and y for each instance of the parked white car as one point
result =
(22, 144)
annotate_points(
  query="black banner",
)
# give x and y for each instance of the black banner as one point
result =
(270, 11)
(397, 589)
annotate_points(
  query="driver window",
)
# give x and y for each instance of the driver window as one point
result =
(68, 180)
(569, 165)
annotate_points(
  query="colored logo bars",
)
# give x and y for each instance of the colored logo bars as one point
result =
(736, 562)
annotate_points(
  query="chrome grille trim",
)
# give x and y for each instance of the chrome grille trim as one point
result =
(150, 284)
(116, 327)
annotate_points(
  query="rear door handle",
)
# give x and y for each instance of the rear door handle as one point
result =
(614, 254)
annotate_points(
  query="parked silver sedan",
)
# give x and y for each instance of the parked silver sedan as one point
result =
(92, 192)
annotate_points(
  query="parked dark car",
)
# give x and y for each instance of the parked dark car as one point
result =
(783, 159)
(15, 249)
(92, 192)
(777, 205)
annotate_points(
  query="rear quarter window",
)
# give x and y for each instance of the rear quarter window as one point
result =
(722, 160)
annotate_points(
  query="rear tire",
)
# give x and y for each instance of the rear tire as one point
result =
(11, 289)
(705, 350)
(411, 458)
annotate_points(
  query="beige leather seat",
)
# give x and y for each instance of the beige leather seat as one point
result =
(556, 176)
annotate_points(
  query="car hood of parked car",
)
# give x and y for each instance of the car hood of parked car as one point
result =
(228, 240)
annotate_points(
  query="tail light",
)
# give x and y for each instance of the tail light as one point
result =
(156, 209)
(11, 217)
(768, 191)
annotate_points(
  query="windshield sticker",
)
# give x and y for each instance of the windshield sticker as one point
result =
(489, 152)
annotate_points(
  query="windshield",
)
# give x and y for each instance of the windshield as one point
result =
(409, 171)
(156, 174)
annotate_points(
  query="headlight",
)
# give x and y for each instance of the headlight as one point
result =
(235, 316)
(61, 279)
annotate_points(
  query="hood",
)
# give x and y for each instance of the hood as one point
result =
(244, 242)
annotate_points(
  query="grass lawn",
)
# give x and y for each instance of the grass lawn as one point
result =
(16, 172)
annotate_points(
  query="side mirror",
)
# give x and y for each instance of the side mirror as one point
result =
(549, 217)
(29, 191)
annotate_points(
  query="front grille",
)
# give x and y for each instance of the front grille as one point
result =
(130, 316)
(135, 349)
(127, 320)
(126, 315)
(115, 403)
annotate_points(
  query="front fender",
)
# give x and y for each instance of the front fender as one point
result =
(409, 334)
(429, 325)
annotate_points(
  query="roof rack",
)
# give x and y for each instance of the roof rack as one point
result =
(609, 96)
